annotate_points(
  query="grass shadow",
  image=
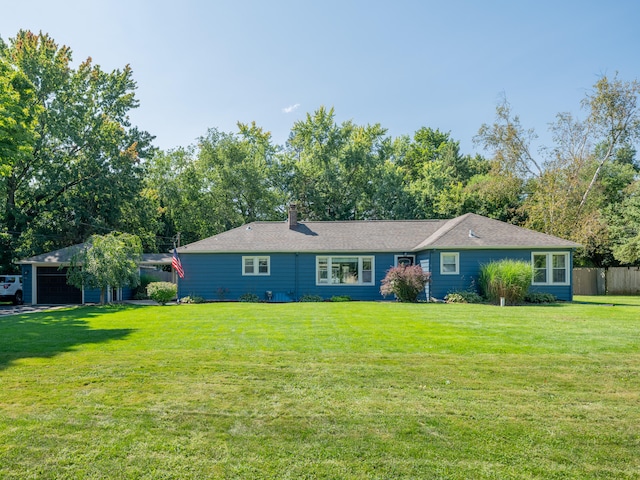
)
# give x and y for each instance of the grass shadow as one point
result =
(45, 335)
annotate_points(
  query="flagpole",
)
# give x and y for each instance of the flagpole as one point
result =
(175, 272)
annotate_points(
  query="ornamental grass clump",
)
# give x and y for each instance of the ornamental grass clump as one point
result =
(509, 279)
(405, 283)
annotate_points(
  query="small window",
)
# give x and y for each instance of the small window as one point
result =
(256, 266)
(550, 268)
(449, 263)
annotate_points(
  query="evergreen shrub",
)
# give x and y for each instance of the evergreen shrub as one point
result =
(162, 292)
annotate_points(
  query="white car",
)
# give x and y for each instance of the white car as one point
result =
(11, 289)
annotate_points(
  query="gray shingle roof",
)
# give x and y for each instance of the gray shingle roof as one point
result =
(375, 236)
(64, 255)
(475, 231)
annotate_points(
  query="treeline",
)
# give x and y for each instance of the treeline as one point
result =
(72, 165)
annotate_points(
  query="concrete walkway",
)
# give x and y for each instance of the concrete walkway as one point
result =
(20, 309)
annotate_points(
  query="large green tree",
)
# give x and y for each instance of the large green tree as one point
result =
(437, 173)
(106, 261)
(332, 170)
(81, 167)
(222, 182)
(18, 121)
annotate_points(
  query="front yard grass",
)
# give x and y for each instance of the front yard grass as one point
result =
(323, 390)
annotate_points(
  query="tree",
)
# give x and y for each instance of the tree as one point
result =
(18, 120)
(106, 261)
(614, 118)
(567, 189)
(625, 227)
(331, 169)
(224, 181)
(81, 165)
(436, 173)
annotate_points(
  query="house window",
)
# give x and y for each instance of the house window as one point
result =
(550, 268)
(449, 263)
(344, 270)
(256, 265)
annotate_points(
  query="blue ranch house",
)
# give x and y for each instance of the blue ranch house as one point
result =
(283, 261)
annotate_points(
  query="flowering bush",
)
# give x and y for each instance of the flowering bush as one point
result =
(405, 283)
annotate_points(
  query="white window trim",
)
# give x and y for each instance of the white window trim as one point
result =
(256, 261)
(360, 258)
(457, 257)
(549, 268)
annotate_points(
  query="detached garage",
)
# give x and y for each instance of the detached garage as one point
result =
(52, 287)
(44, 279)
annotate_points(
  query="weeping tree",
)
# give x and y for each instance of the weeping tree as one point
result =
(106, 261)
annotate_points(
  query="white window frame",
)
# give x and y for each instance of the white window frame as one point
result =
(329, 260)
(256, 266)
(456, 255)
(549, 268)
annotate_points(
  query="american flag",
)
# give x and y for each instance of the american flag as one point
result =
(176, 264)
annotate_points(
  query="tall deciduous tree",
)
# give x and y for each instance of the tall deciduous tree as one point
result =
(106, 261)
(18, 121)
(84, 165)
(224, 181)
(436, 173)
(567, 187)
(332, 169)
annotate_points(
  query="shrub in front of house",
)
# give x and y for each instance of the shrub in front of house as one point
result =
(311, 298)
(405, 282)
(249, 297)
(537, 297)
(162, 292)
(192, 299)
(341, 298)
(140, 293)
(508, 279)
(465, 296)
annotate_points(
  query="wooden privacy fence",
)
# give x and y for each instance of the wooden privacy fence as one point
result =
(606, 281)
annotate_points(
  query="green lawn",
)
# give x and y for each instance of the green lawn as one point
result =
(321, 390)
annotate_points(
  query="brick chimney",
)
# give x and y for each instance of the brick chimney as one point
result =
(293, 216)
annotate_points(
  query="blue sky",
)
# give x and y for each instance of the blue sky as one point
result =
(403, 64)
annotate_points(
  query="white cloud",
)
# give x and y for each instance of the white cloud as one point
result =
(290, 108)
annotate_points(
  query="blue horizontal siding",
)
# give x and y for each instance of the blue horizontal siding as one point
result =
(294, 275)
(207, 274)
(27, 285)
(127, 293)
(471, 262)
(291, 276)
(91, 295)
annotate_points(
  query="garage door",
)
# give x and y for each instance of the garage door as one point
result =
(53, 288)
